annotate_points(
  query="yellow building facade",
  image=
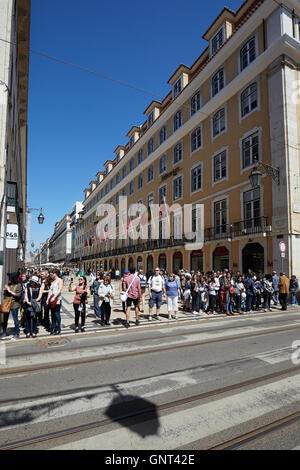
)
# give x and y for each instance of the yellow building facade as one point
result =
(236, 106)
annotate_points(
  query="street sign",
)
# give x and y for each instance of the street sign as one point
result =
(282, 247)
(282, 255)
(12, 235)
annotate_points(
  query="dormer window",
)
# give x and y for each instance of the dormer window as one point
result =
(118, 157)
(151, 118)
(217, 41)
(131, 142)
(106, 171)
(177, 87)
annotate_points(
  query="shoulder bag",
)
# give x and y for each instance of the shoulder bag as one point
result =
(124, 295)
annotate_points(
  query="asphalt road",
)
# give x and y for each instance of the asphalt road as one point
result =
(198, 384)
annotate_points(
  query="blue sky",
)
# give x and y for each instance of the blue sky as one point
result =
(75, 119)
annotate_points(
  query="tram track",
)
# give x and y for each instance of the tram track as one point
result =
(148, 412)
(6, 372)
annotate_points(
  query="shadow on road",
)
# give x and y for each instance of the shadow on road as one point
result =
(135, 413)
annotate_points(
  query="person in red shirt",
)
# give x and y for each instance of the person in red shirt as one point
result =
(80, 300)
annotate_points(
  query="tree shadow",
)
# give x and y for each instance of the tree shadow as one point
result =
(135, 413)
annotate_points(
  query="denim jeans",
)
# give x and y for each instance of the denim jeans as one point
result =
(275, 297)
(229, 304)
(15, 314)
(55, 318)
(96, 306)
(294, 298)
(31, 322)
(249, 302)
(267, 300)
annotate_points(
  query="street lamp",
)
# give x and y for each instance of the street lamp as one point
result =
(40, 218)
(256, 175)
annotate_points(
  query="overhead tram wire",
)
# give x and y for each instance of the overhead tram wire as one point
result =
(128, 85)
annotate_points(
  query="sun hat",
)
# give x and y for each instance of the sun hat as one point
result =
(35, 279)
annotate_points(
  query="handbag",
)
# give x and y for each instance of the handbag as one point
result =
(52, 303)
(124, 295)
(6, 305)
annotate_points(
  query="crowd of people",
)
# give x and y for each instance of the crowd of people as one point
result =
(35, 298)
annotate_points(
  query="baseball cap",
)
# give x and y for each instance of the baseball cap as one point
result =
(126, 272)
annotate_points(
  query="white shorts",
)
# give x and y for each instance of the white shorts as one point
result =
(173, 304)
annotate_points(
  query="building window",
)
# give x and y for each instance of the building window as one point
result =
(217, 41)
(106, 189)
(124, 172)
(252, 208)
(150, 146)
(102, 193)
(162, 164)
(249, 99)
(131, 142)
(131, 164)
(219, 122)
(162, 135)
(150, 118)
(195, 103)
(248, 53)
(118, 178)
(196, 178)
(131, 187)
(220, 166)
(117, 199)
(106, 170)
(217, 82)
(220, 216)
(177, 121)
(250, 150)
(124, 191)
(177, 153)
(162, 194)
(118, 157)
(140, 181)
(196, 139)
(177, 87)
(111, 184)
(150, 173)
(177, 188)
(140, 156)
(177, 226)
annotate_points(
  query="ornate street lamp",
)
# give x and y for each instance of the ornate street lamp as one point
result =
(256, 175)
(41, 218)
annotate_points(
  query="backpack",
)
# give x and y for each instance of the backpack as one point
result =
(248, 283)
(142, 279)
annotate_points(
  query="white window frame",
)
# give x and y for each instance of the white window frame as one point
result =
(164, 185)
(173, 188)
(198, 92)
(248, 134)
(225, 178)
(224, 131)
(131, 141)
(131, 188)
(175, 146)
(140, 154)
(165, 134)
(177, 120)
(213, 202)
(131, 164)
(199, 164)
(213, 52)
(140, 179)
(177, 84)
(164, 156)
(211, 82)
(150, 140)
(150, 119)
(254, 36)
(200, 147)
(257, 82)
(148, 169)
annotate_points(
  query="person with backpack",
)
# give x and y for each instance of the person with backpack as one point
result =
(133, 289)
(156, 287)
(106, 295)
(143, 284)
(250, 293)
(94, 292)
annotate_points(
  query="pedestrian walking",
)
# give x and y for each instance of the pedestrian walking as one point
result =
(54, 301)
(13, 292)
(79, 303)
(133, 288)
(143, 284)
(275, 281)
(106, 295)
(94, 291)
(268, 291)
(44, 318)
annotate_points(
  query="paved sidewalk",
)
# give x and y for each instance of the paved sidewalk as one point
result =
(117, 319)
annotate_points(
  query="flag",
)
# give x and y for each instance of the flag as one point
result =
(102, 235)
(86, 243)
(146, 217)
(128, 225)
(163, 209)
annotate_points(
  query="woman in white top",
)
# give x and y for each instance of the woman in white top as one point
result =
(54, 301)
(106, 295)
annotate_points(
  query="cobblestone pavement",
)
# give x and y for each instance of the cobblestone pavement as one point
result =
(117, 319)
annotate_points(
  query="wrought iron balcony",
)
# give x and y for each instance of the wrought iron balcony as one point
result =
(12, 193)
(237, 229)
